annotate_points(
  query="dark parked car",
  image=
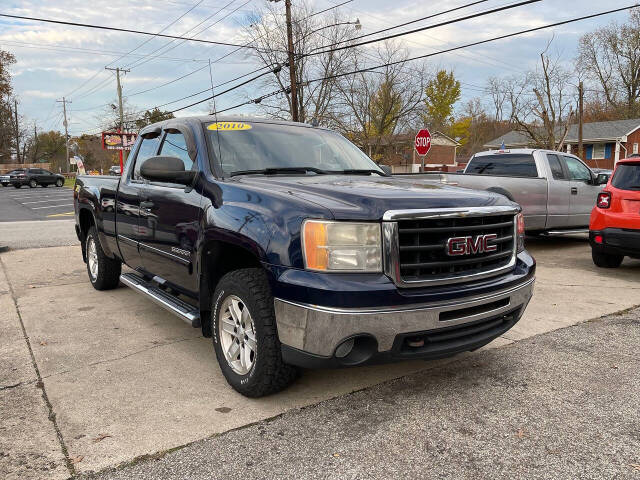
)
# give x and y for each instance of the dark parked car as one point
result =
(4, 179)
(290, 247)
(34, 177)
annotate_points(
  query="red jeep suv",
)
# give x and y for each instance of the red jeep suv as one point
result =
(614, 230)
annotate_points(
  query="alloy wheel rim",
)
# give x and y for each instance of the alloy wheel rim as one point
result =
(92, 258)
(237, 335)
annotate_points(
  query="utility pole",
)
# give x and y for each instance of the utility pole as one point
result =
(292, 64)
(15, 116)
(121, 129)
(580, 112)
(64, 102)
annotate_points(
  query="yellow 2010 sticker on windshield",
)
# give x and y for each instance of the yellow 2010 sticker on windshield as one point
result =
(227, 126)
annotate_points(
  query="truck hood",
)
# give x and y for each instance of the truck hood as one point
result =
(356, 197)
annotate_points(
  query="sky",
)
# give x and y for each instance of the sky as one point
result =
(57, 60)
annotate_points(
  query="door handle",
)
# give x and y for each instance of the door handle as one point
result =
(574, 190)
(146, 205)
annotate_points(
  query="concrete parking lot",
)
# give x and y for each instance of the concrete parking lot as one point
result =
(94, 379)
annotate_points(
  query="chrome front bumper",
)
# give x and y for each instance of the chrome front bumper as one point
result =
(319, 330)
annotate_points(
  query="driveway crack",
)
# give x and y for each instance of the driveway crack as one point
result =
(39, 383)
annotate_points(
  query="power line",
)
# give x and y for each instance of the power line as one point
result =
(444, 12)
(421, 29)
(473, 44)
(126, 30)
(132, 65)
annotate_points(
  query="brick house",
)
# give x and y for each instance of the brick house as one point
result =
(604, 142)
(398, 152)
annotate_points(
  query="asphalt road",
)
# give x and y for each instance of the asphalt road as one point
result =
(20, 204)
(558, 405)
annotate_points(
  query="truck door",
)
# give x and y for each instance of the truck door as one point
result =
(559, 186)
(171, 215)
(129, 224)
(583, 192)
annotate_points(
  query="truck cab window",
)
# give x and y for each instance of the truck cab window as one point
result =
(148, 148)
(577, 170)
(556, 167)
(175, 145)
(505, 165)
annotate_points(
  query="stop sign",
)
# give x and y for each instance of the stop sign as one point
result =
(423, 142)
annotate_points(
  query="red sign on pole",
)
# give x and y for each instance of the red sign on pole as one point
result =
(423, 142)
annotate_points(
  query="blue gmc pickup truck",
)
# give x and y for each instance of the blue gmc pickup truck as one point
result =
(291, 248)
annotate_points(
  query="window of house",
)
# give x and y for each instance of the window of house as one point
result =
(635, 148)
(598, 151)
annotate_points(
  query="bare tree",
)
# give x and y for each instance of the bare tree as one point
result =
(610, 56)
(374, 104)
(310, 33)
(542, 103)
(498, 91)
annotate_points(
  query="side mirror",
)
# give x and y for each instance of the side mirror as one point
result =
(386, 169)
(602, 179)
(166, 169)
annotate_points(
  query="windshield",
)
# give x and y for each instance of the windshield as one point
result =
(246, 146)
(627, 177)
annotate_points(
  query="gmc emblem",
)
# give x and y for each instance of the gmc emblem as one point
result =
(471, 245)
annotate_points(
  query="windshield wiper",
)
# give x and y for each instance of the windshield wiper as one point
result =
(355, 171)
(278, 170)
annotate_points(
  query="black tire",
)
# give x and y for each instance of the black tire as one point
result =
(606, 260)
(33, 184)
(108, 272)
(268, 374)
(17, 185)
(59, 182)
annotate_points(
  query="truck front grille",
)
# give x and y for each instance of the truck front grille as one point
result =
(423, 246)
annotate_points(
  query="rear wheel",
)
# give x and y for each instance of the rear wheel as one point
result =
(59, 182)
(606, 260)
(104, 272)
(245, 336)
(33, 184)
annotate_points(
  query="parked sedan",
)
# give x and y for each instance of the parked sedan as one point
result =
(34, 177)
(114, 170)
(4, 179)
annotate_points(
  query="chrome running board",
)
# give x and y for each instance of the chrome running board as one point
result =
(180, 308)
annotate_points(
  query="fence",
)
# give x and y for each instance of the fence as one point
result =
(7, 167)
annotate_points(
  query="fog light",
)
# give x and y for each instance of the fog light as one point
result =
(598, 239)
(344, 348)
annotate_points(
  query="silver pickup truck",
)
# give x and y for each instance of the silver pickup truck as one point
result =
(556, 190)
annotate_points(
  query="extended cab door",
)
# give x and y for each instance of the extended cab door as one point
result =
(559, 187)
(583, 192)
(129, 225)
(171, 216)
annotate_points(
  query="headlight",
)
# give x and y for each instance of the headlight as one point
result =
(341, 246)
(520, 223)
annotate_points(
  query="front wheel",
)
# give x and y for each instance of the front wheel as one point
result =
(245, 336)
(59, 182)
(104, 272)
(606, 260)
(33, 184)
